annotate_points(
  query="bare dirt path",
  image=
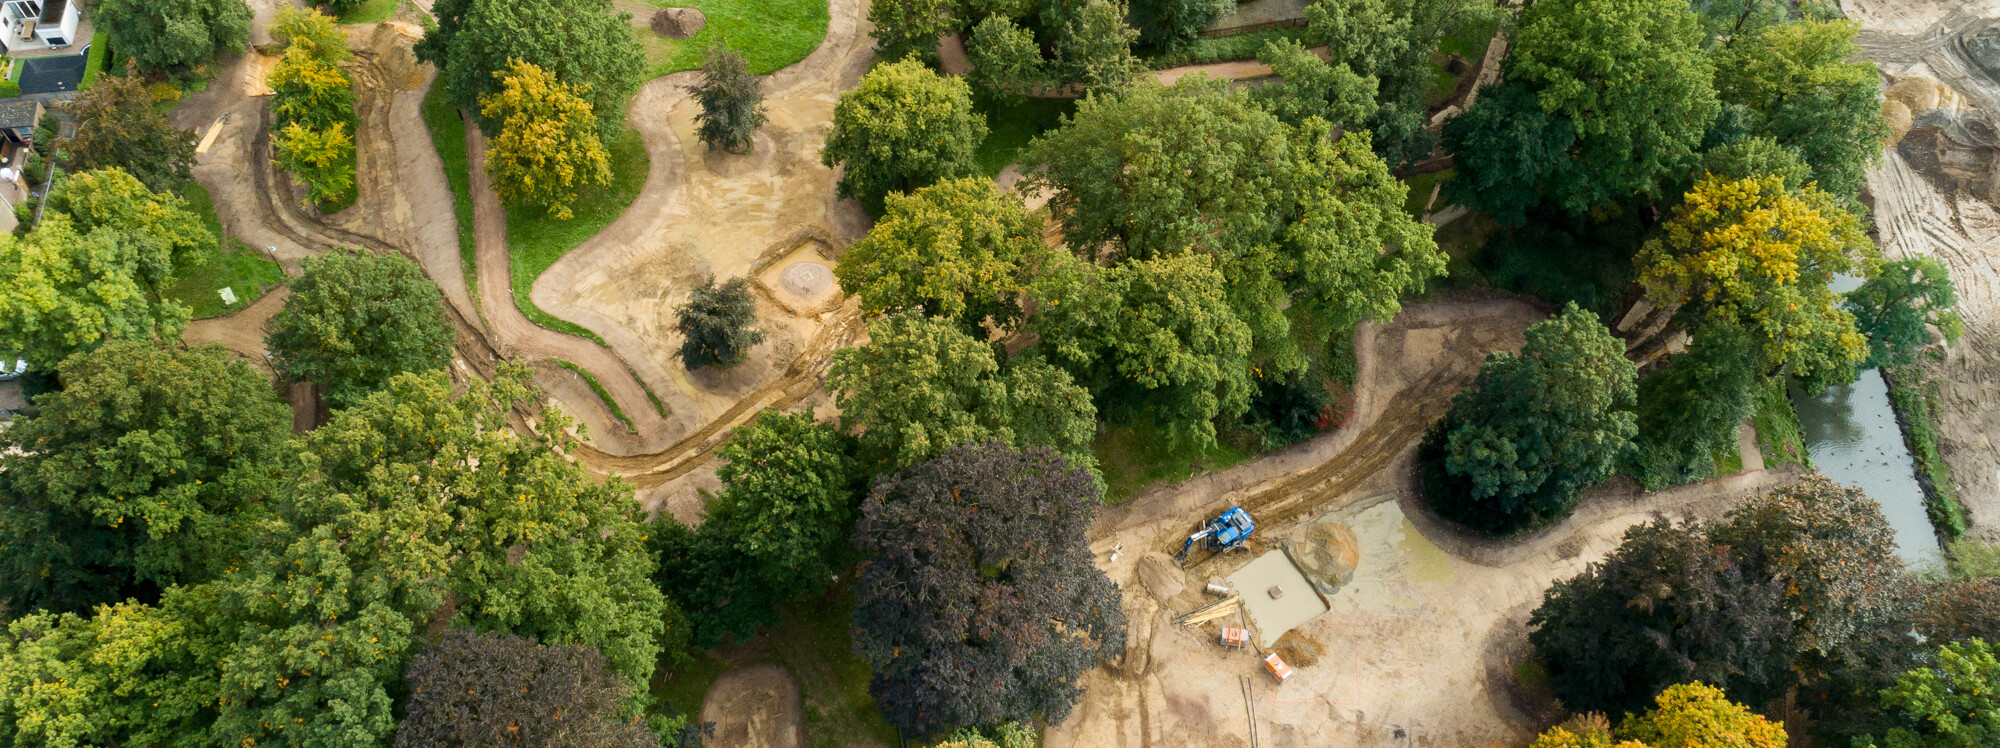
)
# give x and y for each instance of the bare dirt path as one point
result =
(1917, 213)
(755, 707)
(241, 331)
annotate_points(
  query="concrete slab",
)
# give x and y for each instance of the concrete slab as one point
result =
(1296, 603)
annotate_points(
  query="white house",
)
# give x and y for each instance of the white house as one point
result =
(28, 25)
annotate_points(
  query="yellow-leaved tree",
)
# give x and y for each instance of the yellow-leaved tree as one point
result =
(1689, 715)
(1752, 252)
(547, 149)
(322, 157)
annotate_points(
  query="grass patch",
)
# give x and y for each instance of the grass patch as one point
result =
(1137, 454)
(598, 388)
(1468, 42)
(770, 34)
(1204, 51)
(1915, 401)
(448, 135)
(14, 70)
(1420, 191)
(658, 407)
(535, 241)
(812, 641)
(371, 11)
(246, 271)
(1009, 127)
(1779, 435)
(93, 66)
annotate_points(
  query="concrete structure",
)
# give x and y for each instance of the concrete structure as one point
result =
(36, 25)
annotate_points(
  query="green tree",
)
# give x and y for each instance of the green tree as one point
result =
(1160, 169)
(129, 674)
(1750, 252)
(1951, 703)
(904, 127)
(1796, 82)
(143, 472)
(1160, 333)
(1391, 41)
(547, 150)
(1506, 149)
(1690, 411)
(790, 485)
(1697, 715)
(949, 538)
(173, 36)
(64, 291)
(1535, 429)
(717, 324)
(167, 233)
(308, 27)
(355, 320)
(417, 508)
(1897, 307)
(1170, 24)
(958, 249)
(1628, 78)
(494, 689)
(1093, 46)
(309, 88)
(1006, 61)
(922, 385)
(583, 43)
(1356, 252)
(1755, 156)
(732, 101)
(322, 158)
(1308, 86)
(909, 29)
(118, 126)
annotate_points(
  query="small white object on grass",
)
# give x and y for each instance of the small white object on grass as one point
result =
(228, 295)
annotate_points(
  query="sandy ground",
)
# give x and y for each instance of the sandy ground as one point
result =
(755, 707)
(1918, 216)
(241, 331)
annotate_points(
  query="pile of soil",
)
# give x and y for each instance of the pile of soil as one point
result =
(678, 23)
(1161, 576)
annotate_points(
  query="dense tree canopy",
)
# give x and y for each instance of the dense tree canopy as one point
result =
(957, 250)
(717, 324)
(1093, 46)
(141, 473)
(547, 149)
(1174, 23)
(1308, 86)
(1006, 62)
(64, 290)
(1897, 307)
(497, 689)
(312, 105)
(922, 385)
(790, 485)
(583, 43)
(1750, 252)
(732, 101)
(1535, 429)
(1796, 82)
(161, 226)
(129, 674)
(122, 128)
(173, 36)
(948, 540)
(1690, 411)
(1391, 43)
(1356, 251)
(904, 127)
(1626, 79)
(357, 319)
(906, 29)
(1505, 147)
(1695, 715)
(1953, 703)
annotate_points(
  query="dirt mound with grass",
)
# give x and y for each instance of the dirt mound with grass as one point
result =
(678, 23)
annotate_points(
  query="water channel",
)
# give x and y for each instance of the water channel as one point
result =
(1852, 435)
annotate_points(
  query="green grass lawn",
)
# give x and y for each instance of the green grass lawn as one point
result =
(240, 268)
(769, 33)
(535, 241)
(448, 135)
(1138, 454)
(1470, 43)
(1009, 127)
(1420, 192)
(813, 643)
(371, 11)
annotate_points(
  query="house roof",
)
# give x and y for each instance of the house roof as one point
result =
(18, 113)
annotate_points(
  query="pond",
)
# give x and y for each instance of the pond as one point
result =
(1854, 439)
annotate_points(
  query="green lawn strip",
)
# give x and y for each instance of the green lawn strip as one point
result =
(658, 407)
(448, 135)
(243, 269)
(535, 241)
(770, 34)
(203, 205)
(1137, 454)
(93, 66)
(1915, 401)
(1779, 435)
(1205, 51)
(598, 388)
(814, 642)
(1009, 127)
(371, 11)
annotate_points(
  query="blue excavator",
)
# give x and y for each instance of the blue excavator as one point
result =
(1227, 532)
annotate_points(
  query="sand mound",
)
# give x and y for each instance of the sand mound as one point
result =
(1328, 556)
(678, 23)
(1161, 576)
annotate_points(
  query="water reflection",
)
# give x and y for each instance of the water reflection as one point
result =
(1852, 435)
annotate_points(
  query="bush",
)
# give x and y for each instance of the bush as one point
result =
(1289, 408)
(717, 322)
